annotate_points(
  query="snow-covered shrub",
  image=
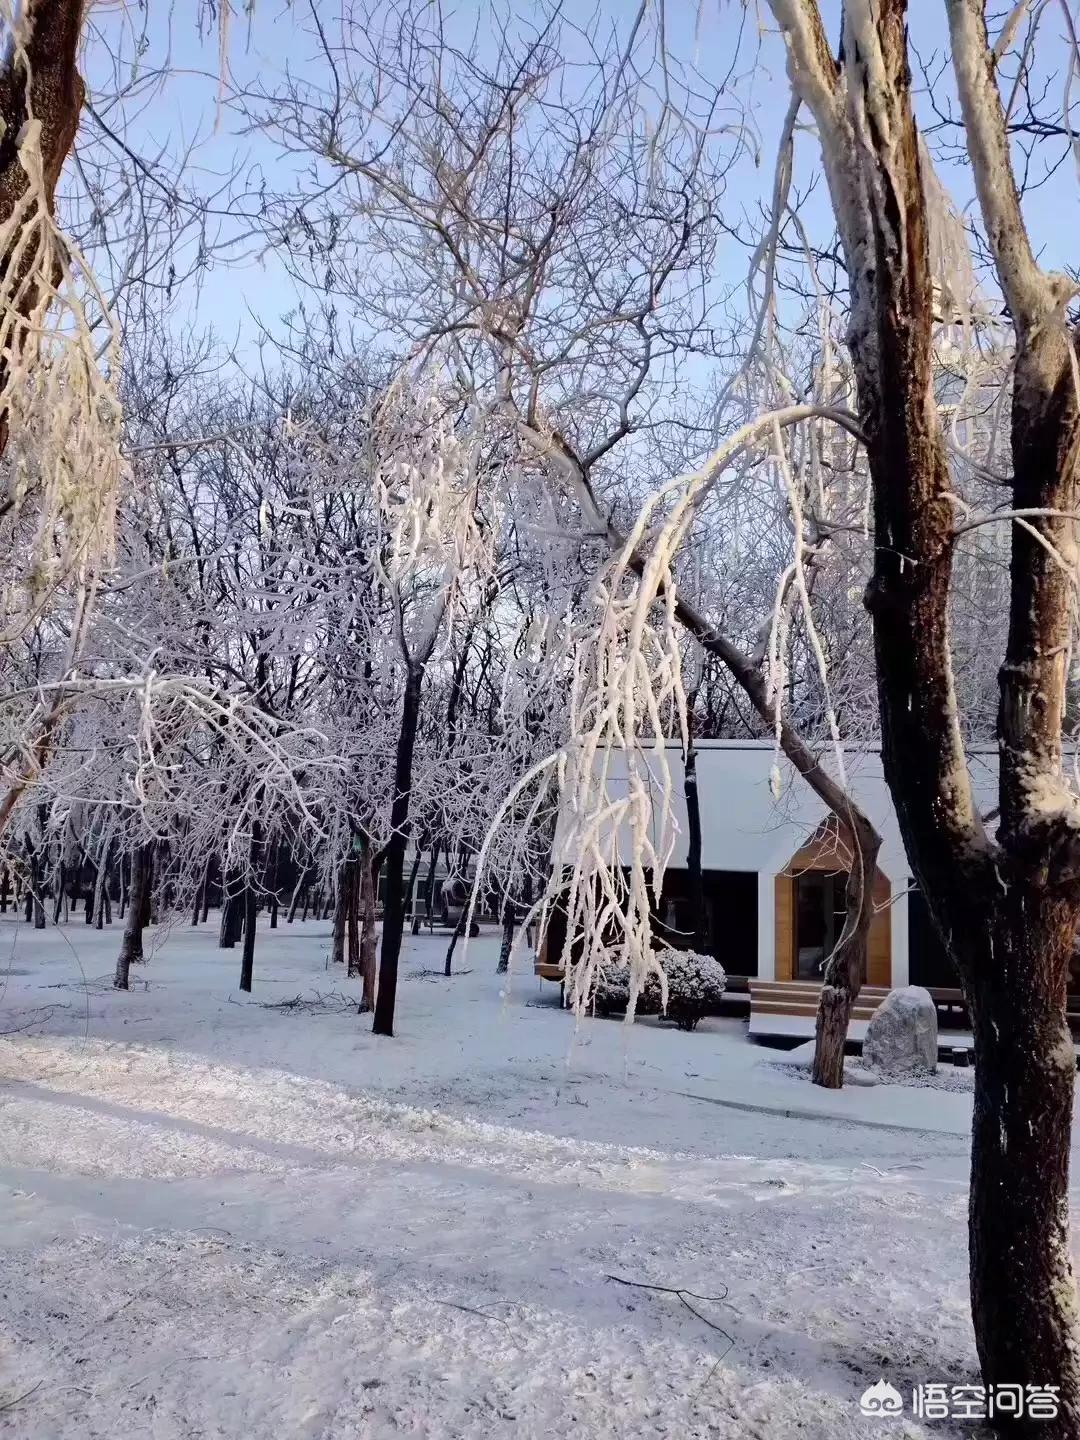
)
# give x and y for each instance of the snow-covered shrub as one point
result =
(695, 986)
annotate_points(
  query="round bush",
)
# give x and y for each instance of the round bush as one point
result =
(695, 986)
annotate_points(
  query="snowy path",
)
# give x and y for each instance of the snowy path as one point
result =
(199, 1245)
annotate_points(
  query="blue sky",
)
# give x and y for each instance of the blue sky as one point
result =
(244, 287)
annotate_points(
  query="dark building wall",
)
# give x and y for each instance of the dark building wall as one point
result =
(731, 916)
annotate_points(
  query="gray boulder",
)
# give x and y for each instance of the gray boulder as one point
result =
(901, 1038)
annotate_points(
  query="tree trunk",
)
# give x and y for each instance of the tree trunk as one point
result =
(247, 958)
(341, 913)
(272, 884)
(1023, 1293)
(459, 930)
(58, 898)
(394, 905)
(149, 893)
(353, 915)
(131, 945)
(367, 931)
(846, 966)
(299, 889)
(232, 911)
(101, 888)
(509, 922)
(410, 893)
(429, 883)
(695, 883)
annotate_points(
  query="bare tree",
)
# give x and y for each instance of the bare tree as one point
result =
(1007, 906)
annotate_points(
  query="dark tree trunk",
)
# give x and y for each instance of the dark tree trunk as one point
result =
(58, 898)
(846, 966)
(353, 916)
(429, 883)
(341, 914)
(1022, 1283)
(247, 958)
(367, 932)
(509, 924)
(247, 955)
(149, 916)
(232, 911)
(459, 930)
(410, 892)
(394, 904)
(695, 883)
(5, 885)
(272, 885)
(131, 945)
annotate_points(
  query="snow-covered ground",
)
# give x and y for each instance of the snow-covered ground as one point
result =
(219, 1219)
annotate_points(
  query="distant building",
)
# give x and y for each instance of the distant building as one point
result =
(774, 869)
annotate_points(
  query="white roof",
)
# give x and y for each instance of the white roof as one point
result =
(743, 827)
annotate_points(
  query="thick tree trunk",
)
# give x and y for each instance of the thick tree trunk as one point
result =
(394, 905)
(846, 966)
(1023, 1291)
(131, 946)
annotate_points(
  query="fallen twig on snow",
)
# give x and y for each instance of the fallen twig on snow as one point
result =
(332, 1003)
(682, 1294)
(10, 1404)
